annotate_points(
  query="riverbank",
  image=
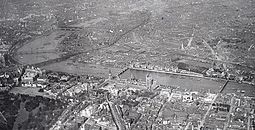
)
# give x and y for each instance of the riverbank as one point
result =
(190, 83)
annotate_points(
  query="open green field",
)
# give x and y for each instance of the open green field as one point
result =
(42, 48)
(82, 69)
(30, 91)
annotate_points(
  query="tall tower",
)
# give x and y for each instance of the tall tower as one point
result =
(149, 81)
(110, 74)
(153, 84)
(2, 58)
(182, 47)
(132, 76)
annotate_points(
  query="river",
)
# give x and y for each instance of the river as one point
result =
(192, 83)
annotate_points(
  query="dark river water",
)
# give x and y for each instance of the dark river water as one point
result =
(192, 83)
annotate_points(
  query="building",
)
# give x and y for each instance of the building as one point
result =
(30, 75)
(2, 59)
(149, 82)
(209, 98)
(176, 96)
(187, 98)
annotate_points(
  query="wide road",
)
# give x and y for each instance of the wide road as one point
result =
(210, 107)
(116, 117)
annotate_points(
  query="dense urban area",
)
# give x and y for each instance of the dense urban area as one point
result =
(127, 65)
